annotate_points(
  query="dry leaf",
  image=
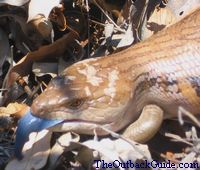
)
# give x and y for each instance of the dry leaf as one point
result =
(32, 33)
(14, 2)
(14, 109)
(59, 18)
(158, 20)
(127, 14)
(43, 7)
(188, 159)
(60, 146)
(126, 39)
(42, 25)
(36, 152)
(109, 150)
(115, 149)
(24, 66)
(43, 68)
(180, 8)
(108, 30)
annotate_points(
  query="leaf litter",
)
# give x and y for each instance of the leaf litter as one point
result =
(38, 39)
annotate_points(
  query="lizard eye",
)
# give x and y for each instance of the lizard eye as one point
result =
(75, 103)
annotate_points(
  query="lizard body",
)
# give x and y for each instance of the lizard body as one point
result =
(163, 70)
(154, 77)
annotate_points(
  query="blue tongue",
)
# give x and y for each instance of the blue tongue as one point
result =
(28, 124)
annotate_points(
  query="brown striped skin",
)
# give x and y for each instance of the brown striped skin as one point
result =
(163, 70)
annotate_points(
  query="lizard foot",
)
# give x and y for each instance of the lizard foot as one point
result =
(146, 126)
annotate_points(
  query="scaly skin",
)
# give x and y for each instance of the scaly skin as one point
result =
(111, 91)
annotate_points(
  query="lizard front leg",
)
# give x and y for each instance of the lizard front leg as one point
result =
(146, 126)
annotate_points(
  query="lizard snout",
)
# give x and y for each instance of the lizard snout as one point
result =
(56, 95)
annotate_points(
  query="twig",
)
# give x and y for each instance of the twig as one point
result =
(26, 47)
(88, 28)
(178, 138)
(142, 19)
(121, 30)
(102, 24)
(182, 111)
(11, 66)
(3, 89)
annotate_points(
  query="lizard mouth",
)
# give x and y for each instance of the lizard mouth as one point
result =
(79, 117)
(85, 121)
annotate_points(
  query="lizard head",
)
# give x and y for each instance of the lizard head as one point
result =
(89, 93)
(86, 92)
